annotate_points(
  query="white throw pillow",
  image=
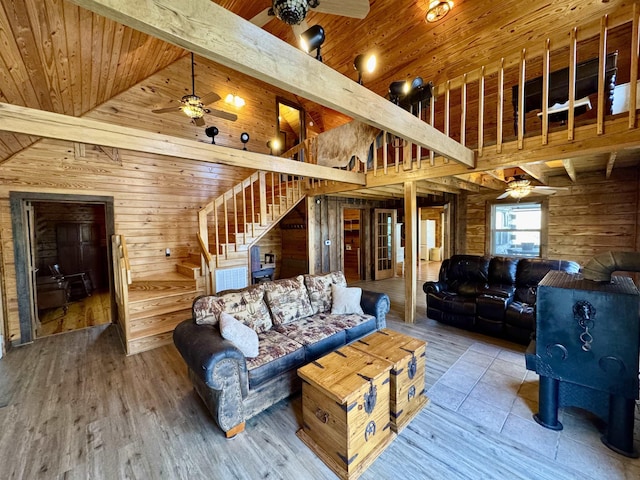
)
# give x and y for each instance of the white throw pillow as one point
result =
(345, 299)
(242, 336)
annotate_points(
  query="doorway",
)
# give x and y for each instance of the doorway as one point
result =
(62, 262)
(291, 127)
(353, 247)
(433, 239)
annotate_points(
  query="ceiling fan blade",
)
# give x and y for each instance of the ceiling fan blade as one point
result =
(199, 122)
(262, 18)
(504, 195)
(210, 97)
(345, 8)
(549, 188)
(221, 114)
(166, 110)
(543, 191)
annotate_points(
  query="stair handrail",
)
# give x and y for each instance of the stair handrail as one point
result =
(122, 280)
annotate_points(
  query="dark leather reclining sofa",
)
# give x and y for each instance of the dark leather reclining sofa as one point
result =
(492, 295)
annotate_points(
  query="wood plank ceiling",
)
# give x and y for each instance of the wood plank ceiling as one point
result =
(58, 57)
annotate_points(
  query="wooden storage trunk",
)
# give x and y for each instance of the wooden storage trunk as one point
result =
(345, 410)
(407, 354)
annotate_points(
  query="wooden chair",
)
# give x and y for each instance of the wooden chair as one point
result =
(79, 283)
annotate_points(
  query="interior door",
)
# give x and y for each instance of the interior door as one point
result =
(384, 247)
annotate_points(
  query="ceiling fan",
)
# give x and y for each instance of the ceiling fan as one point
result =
(294, 12)
(194, 106)
(519, 187)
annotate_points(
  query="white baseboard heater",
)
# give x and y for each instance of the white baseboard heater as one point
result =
(231, 278)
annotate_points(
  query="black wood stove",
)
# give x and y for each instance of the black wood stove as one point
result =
(586, 352)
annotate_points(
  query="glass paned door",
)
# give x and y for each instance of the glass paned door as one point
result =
(384, 248)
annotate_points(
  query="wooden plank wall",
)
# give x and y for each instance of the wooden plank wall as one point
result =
(328, 224)
(156, 198)
(595, 215)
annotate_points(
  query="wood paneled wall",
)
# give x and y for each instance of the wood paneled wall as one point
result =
(327, 223)
(156, 198)
(593, 216)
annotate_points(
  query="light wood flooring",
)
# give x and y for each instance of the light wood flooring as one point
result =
(88, 312)
(74, 406)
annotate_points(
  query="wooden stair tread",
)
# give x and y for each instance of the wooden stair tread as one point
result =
(158, 324)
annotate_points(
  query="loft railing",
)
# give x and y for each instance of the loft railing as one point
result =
(477, 108)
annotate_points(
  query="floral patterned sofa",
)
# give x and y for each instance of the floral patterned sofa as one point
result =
(294, 324)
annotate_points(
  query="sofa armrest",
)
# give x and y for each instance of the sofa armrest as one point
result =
(433, 287)
(376, 304)
(202, 347)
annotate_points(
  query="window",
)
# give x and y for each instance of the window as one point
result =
(516, 229)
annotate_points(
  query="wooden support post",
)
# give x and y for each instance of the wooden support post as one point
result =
(463, 110)
(481, 112)
(410, 251)
(573, 47)
(633, 77)
(262, 186)
(500, 107)
(602, 67)
(432, 120)
(546, 58)
(521, 105)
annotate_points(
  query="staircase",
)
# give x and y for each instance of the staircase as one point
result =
(150, 308)
(237, 219)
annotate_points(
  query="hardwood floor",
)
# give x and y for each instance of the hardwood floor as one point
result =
(88, 312)
(74, 406)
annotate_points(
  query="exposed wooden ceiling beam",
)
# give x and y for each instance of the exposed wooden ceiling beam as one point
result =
(570, 168)
(456, 183)
(18, 119)
(203, 27)
(482, 180)
(497, 174)
(536, 171)
(610, 162)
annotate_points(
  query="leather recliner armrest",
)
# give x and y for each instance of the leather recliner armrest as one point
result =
(433, 287)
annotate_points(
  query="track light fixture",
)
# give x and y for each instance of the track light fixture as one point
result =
(212, 132)
(312, 39)
(244, 138)
(364, 63)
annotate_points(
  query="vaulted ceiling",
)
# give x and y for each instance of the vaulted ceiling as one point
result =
(58, 57)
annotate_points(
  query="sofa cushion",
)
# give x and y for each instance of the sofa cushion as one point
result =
(206, 310)
(277, 354)
(288, 300)
(319, 289)
(355, 325)
(502, 271)
(346, 300)
(243, 337)
(248, 306)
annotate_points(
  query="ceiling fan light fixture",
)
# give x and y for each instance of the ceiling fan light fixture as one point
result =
(438, 9)
(192, 106)
(519, 188)
(293, 12)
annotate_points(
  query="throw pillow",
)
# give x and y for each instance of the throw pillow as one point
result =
(319, 288)
(243, 337)
(247, 305)
(288, 300)
(346, 299)
(206, 309)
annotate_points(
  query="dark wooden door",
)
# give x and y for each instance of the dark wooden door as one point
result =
(81, 248)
